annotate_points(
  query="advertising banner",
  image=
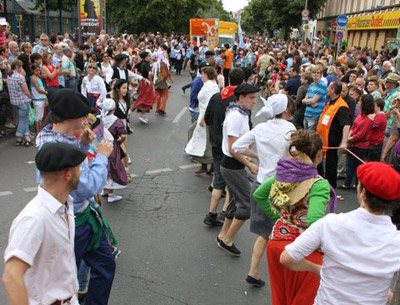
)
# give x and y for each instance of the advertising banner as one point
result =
(90, 17)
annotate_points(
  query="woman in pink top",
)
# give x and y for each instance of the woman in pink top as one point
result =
(358, 137)
(50, 74)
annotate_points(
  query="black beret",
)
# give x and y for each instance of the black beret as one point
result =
(144, 54)
(120, 57)
(120, 82)
(244, 89)
(69, 104)
(208, 53)
(204, 64)
(53, 157)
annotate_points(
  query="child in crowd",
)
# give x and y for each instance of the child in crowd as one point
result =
(39, 97)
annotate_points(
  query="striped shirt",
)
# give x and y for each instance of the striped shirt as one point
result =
(316, 89)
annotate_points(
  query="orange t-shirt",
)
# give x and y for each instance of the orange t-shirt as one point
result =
(228, 59)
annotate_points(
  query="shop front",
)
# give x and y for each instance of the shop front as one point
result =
(374, 30)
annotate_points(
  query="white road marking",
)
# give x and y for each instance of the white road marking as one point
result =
(188, 166)
(159, 171)
(5, 193)
(30, 189)
(179, 115)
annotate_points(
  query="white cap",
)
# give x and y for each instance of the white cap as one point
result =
(276, 104)
(3, 21)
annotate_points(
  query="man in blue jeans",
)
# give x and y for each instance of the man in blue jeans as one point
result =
(315, 99)
(68, 117)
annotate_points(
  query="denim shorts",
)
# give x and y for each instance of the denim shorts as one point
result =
(239, 191)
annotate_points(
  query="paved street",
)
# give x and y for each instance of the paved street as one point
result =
(168, 255)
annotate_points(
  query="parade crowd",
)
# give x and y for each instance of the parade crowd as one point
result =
(326, 117)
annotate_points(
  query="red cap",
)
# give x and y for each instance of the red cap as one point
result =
(380, 180)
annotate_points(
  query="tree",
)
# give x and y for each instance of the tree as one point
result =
(161, 15)
(267, 15)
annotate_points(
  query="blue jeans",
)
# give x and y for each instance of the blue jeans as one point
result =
(83, 275)
(311, 122)
(23, 119)
(100, 261)
(71, 84)
(194, 116)
(352, 163)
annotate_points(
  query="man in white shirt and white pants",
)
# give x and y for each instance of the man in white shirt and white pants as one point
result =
(40, 266)
(361, 248)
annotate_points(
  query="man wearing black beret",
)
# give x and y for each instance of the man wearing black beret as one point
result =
(67, 120)
(39, 259)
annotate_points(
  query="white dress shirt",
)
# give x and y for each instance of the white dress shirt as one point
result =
(95, 86)
(272, 141)
(361, 257)
(41, 237)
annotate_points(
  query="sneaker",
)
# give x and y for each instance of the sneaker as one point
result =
(116, 253)
(103, 193)
(230, 249)
(113, 198)
(221, 216)
(143, 120)
(253, 281)
(10, 126)
(212, 220)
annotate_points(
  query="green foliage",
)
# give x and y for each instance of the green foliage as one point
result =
(161, 15)
(267, 15)
(55, 5)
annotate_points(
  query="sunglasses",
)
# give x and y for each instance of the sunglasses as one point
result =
(91, 67)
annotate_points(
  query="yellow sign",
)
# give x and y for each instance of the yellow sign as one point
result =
(212, 42)
(227, 27)
(389, 20)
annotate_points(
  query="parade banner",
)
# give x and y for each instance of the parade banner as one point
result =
(203, 27)
(212, 42)
(227, 27)
(90, 17)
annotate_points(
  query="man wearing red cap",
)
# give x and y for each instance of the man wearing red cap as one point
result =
(361, 248)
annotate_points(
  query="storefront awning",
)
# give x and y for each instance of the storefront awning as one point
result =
(388, 19)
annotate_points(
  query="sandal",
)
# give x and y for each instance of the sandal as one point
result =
(19, 142)
(28, 143)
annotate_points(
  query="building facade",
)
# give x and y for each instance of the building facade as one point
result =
(372, 23)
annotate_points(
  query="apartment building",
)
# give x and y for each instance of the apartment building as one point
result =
(372, 23)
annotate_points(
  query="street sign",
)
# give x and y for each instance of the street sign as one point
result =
(276, 32)
(340, 29)
(342, 20)
(339, 35)
(305, 13)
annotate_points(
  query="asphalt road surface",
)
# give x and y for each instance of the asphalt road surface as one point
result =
(168, 255)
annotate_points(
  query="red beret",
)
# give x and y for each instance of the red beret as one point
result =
(380, 180)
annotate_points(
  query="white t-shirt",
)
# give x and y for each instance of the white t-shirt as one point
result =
(235, 124)
(361, 257)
